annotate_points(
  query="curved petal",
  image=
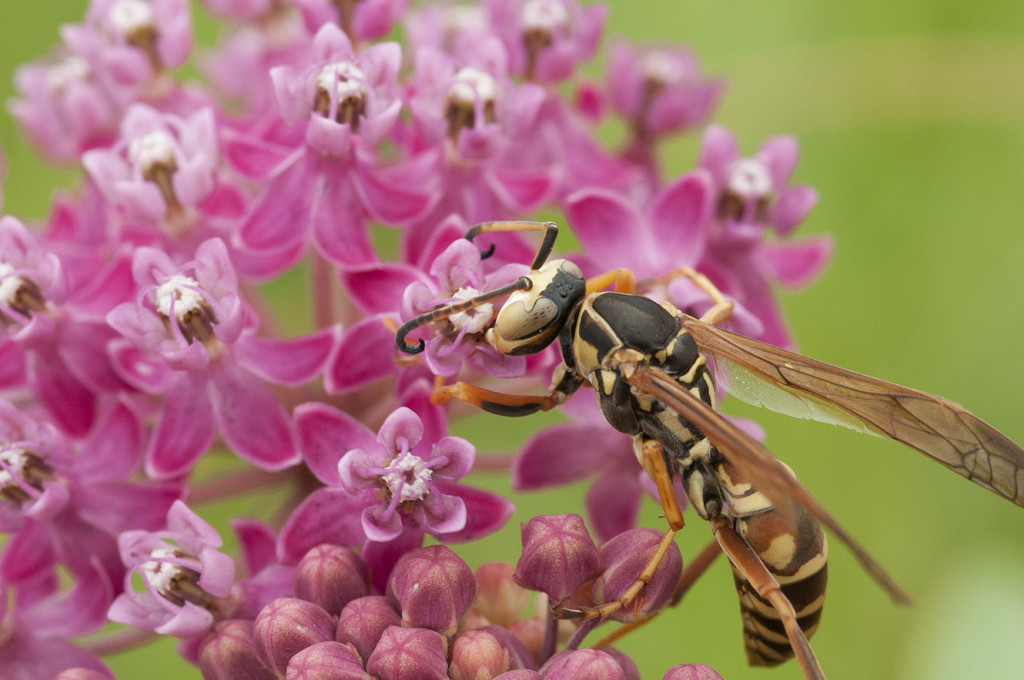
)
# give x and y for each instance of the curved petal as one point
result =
(486, 512)
(680, 218)
(604, 224)
(613, 502)
(252, 420)
(328, 515)
(287, 361)
(568, 452)
(365, 354)
(184, 430)
(325, 434)
(378, 288)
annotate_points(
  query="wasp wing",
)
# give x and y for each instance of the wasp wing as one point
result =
(936, 427)
(754, 461)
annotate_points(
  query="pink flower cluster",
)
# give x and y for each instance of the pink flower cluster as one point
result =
(146, 325)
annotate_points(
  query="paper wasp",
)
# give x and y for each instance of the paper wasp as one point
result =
(647, 362)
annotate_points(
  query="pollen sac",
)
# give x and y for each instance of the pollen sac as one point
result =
(153, 155)
(136, 22)
(169, 574)
(341, 93)
(20, 297)
(473, 93)
(180, 298)
(21, 470)
(749, 193)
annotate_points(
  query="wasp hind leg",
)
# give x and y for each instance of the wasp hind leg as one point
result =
(749, 566)
(653, 460)
(721, 308)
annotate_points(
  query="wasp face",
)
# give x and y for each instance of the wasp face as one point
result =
(531, 319)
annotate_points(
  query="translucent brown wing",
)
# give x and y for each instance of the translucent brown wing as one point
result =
(754, 461)
(936, 427)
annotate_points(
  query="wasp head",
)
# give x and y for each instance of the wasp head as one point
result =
(531, 319)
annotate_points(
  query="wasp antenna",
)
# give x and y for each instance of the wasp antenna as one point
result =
(404, 330)
(522, 283)
(550, 230)
(484, 254)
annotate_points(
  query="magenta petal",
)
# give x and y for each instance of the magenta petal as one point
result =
(797, 263)
(339, 224)
(378, 288)
(381, 523)
(280, 218)
(386, 201)
(448, 517)
(252, 157)
(328, 515)
(613, 502)
(525, 190)
(544, 462)
(434, 418)
(780, 155)
(114, 446)
(365, 354)
(70, 402)
(718, 150)
(325, 434)
(792, 206)
(402, 430)
(680, 218)
(257, 543)
(602, 222)
(486, 512)
(184, 430)
(251, 419)
(291, 361)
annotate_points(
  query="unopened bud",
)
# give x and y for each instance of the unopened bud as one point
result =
(434, 588)
(477, 655)
(592, 664)
(558, 555)
(288, 625)
(692, 671)
(331, 576)
(499, 599)
(326, 661)
(409, 654)
(364, 620)
(229, 651)
(624, 557)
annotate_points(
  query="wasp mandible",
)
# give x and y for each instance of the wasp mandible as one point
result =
(648, 364)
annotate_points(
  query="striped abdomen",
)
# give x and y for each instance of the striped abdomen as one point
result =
(795, 552)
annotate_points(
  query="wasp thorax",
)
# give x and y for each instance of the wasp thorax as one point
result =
(173, 574)
(530, 320)
(341, 93)
(20, 296)
(180, 298)
(472, 87)
(21, 473)
(406, 477)
(136, 22)
(748, 192)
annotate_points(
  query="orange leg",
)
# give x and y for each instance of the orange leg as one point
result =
(750, 566)
(623, 279)
(653, 461)
(721, 309)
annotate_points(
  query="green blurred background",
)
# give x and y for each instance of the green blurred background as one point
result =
(910, 118)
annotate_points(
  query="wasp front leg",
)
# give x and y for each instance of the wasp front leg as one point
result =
(563, 384)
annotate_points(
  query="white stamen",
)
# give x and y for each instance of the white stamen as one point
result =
(69, 70)
(343, 79)
(128, 16)
(658, 66)
(9, 284)
(154, 148)
(472, 84)
(545, 15)
(178, 289)
(157, 572)
(408, 476)
(474, 320)
(749, 178)
(16, 460)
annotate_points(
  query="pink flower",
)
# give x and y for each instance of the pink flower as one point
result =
(187, 579)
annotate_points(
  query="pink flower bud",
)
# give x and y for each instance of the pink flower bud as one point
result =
(519, 655)
(331, 576)
(558, 555)
(326, 661)
(624, 557)
(229, 651)
(593, 664)
(409, 654)
(519, 675)
(499, 599)
(692, 671)
(477, 655)
(288, 625)
(82, 674)
(434, 588)
(364, 620)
